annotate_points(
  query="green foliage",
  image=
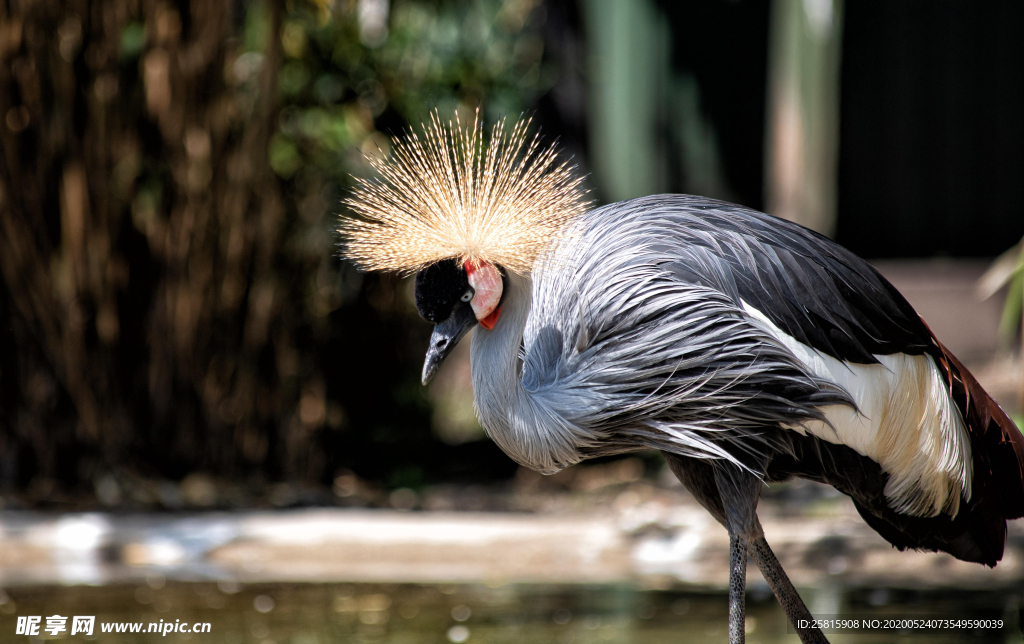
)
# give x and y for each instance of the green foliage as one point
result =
(1008, 269)
(1012, 310)
(133, 40)
(341, 82)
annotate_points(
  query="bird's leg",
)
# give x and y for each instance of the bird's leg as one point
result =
(737, 589)
(780, 584)
(739, 491)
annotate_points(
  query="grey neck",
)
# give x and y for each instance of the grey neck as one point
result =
(520, 421)
(497, 377)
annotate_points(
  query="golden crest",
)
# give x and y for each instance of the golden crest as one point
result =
(448, 193)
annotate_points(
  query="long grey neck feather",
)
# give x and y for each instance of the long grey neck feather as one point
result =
(514, 418)
(497, 378)
(523, 422)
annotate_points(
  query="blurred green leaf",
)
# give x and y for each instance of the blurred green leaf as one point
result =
(293, 39)
(293, 78)
(133, 40)
(328, 89)
(1008, 268)
(257, 26)
(1012, 310)
(284, 157)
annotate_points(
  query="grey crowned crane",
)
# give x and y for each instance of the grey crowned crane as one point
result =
(746, 349)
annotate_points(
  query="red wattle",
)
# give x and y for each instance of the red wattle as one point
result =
(492, 319)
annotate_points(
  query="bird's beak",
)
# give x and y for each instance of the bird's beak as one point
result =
(446, 335)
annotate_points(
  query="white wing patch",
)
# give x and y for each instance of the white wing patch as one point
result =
(906, 422)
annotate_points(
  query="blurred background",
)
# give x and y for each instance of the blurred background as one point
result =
(178, 333)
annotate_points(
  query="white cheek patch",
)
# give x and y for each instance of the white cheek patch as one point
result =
(486, 282)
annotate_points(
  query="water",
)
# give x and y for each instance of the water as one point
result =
(507, 614)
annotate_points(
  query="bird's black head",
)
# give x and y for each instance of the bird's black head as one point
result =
(455, 297)
(443, 296)
(439, 287)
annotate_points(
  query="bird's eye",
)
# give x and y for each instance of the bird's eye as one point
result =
(467, 296)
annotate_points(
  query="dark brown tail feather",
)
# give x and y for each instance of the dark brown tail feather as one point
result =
(1000, 439)
(997, 444)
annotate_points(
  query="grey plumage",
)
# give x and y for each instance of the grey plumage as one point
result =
(622, 349)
